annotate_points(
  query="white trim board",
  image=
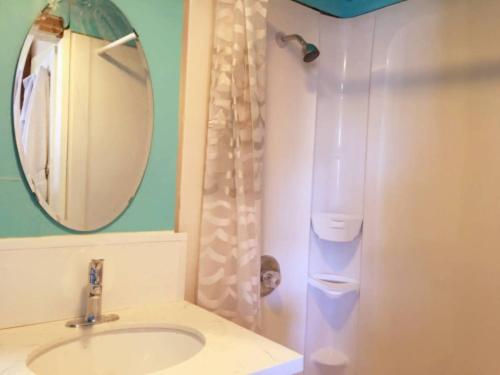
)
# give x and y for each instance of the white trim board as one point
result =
(100, 239)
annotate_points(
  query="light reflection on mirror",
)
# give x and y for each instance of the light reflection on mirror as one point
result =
(82, 106)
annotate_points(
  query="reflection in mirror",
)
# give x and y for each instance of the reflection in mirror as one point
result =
(83, 112)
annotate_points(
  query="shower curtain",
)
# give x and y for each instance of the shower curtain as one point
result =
(229, 272)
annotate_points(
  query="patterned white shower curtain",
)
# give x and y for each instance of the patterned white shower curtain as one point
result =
(229, 281)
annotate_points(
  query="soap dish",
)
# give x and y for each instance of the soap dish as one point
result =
(333, 285)
(330, 357)
(336, 227)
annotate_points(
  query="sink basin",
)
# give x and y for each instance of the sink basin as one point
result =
(124, 350)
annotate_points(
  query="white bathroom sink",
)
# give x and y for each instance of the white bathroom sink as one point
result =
(125, 350)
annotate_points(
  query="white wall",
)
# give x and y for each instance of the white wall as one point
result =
(100, 183)
(431, 267)
(288, 166)
(429, 270)
(45, 278)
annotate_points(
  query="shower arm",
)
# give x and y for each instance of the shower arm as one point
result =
(287, 38)
(309, 51)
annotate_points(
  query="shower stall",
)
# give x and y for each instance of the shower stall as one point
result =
(382, 192)
(381, 186)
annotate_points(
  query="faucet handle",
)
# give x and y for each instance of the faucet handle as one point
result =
(95, 272)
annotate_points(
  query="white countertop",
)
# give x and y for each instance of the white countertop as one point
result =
(229, 349)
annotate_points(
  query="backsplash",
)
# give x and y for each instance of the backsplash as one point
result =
(153, 208)
(45, 278)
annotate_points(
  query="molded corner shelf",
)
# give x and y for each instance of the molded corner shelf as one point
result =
(330, 357)
(336, 227)
(332, 285)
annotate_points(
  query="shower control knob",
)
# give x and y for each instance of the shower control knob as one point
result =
(270, 275)
(271, 279)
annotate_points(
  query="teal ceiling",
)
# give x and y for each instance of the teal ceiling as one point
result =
(347, 8)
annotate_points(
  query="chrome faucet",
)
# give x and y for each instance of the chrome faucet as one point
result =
(94, 300)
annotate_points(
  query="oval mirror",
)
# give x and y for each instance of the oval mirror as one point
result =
(82, 108)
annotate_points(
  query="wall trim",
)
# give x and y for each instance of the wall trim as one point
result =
(99, 239)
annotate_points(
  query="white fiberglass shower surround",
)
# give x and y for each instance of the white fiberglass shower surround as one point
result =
(394, 126)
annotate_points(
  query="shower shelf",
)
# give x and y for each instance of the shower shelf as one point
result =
(333, 285)
(329, 357)
(336, 227)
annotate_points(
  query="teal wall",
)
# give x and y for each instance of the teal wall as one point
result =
(159, 24)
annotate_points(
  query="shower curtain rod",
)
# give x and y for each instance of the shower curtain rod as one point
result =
(118, 42)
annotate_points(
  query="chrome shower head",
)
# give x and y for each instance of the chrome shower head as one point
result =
(309, 51)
